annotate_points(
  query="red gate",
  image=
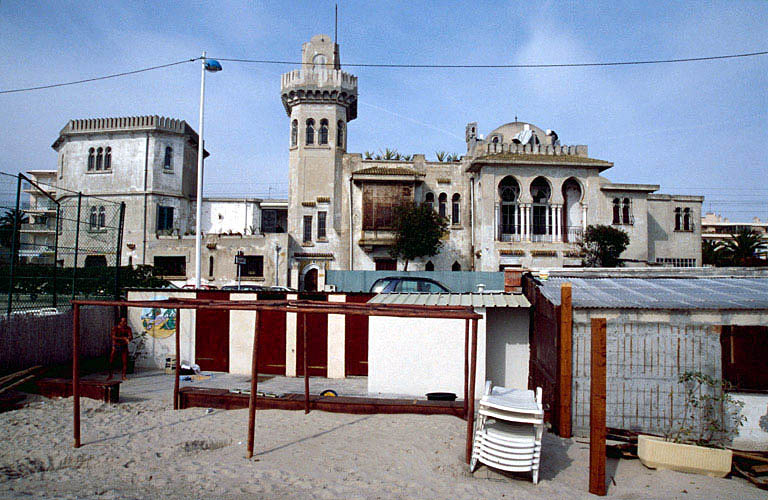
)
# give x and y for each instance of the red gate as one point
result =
(356, 339)
(272, 339)
(212, 335)
(317, 340)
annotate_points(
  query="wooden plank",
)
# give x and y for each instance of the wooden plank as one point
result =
(565, 360)
(471, 395)
(597, 396)
(76, 374)
(177, 364)
(254, 387)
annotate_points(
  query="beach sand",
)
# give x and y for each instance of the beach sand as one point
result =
(144, 449)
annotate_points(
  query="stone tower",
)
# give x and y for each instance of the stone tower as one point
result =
(320, 101)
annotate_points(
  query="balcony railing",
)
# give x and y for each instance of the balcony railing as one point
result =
(573, 234)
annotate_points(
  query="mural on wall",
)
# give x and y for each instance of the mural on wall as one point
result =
(158, 323)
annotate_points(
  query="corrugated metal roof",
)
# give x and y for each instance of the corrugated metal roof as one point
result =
(662, 293)
(492, 299)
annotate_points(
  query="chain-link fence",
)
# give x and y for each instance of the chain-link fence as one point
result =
(55, 245)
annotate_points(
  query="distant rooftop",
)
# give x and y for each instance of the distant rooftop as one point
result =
(661, 293)
(488, 299)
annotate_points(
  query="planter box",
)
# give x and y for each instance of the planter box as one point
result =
(657, 453)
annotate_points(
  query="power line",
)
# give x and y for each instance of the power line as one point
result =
(491, 66)
(87, 80)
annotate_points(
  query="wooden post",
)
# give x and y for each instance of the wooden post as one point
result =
(565, 362)
(471, 396)
(306, 366)
(466, 366)
(254, 386)
(177, 364)
(76, 372)
(597, 394)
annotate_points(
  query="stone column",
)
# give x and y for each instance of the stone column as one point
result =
(584, 218)
(528, 214)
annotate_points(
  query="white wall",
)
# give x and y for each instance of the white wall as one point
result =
(753, 435)
(414, 356)
(158, 349)
(241, 326)
(508, 349)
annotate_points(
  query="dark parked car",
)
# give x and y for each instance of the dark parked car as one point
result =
(408, 284)
(250, 288)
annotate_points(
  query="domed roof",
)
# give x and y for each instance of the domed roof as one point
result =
(511, 129)
(522, 132)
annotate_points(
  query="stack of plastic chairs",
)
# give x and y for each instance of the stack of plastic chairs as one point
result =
(508, 431)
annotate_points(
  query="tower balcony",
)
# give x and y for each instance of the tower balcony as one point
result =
(319, 86)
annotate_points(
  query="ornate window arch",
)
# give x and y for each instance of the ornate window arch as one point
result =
(616, 211)
(340, 134)
(541, 216)
(91, 158)
(687, 226)
(294, 132)
(678, 219)
(99, 158)
(455, 206)
(108, 158)
(168, 161)
(509, 218)
(626, 211)
(102, 218)
(429, 199)
(442, 204)
(322, 136)
(310, 135)
(93, 220)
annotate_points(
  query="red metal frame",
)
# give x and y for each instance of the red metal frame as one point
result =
(398, 310)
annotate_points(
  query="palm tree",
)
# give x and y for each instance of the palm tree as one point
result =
(741, 247)
(389, 154)
(407, 157)
(441, 155)
(8, 228)
(712, 253)
(453, 157)
(368, 155)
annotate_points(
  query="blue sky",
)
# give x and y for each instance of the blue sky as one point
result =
(694, 128)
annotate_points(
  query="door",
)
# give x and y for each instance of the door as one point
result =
(356, 339)
(212, 335)
(310, 281)
(317, 340)
(272, 337)
(386, 265)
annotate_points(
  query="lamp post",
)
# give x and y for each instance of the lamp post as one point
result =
(211, 65)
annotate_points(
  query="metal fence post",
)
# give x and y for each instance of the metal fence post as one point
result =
(56, 252)
(119, 250)
(77, 242)
(14, 234)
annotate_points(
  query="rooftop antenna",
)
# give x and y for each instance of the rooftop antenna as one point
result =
(336, 24)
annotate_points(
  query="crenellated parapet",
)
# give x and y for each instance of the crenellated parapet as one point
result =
(484, 149)
(319, 86)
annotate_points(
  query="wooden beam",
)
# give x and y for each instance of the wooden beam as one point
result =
(597, 396)
(471, 395)
(76, 373)
(254, 387)
(177, 364)
(306, 366)
(466, 366)
(565, 363)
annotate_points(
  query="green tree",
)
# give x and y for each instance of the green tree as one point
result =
(441, 155)
(418, 232)
(602, 246)
(712, 253)
(740, 248)
(368, 155)
(7, 226)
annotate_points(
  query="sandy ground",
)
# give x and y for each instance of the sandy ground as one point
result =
(144, 449)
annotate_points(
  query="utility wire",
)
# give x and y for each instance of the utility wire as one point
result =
(386, 65)
(534, 65)
(116, 75)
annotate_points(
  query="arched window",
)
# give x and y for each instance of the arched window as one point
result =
(626, 218)
(99, 158)
(542, 216)
(442, 204)
(616, 211)
(495, 139)
(319, 62)
(430, 266)
(509, 214)
(687, 220)
(455, 208)
(322, 136)
(93, 221)
(168, 163)
(310, 139)
(294, 132)
(340, 134)
(102, 218)
(108, 158)
(678, 219)
(91, 158)
(429, 199)
(456, 266)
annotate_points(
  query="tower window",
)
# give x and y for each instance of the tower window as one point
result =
(678, 218)
(99, 158)
(321, 232)
(616, 211)
(310, 139)
(294, 132)
(429, 200)
(164, 218)
(687, 226)
(91, 158)
(168, 163)
(626, 213)
(307, 228)
(455, 208)
(340, 134)
(322, 136)
(210, 266)
(108, 158)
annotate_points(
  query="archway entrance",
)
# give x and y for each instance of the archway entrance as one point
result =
(310, 280)
(572, 214)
